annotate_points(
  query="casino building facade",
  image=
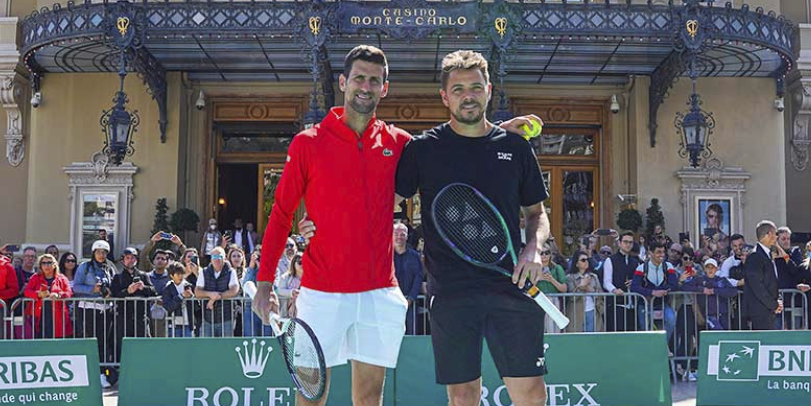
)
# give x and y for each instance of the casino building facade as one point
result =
(110, 106)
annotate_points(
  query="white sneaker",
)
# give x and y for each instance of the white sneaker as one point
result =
(104, 383)
(692, 376)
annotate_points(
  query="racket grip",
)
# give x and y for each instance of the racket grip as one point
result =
(551, 310)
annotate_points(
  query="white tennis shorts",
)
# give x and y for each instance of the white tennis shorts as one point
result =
(366, 326)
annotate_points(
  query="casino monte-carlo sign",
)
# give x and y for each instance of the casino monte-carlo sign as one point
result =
(408, 18)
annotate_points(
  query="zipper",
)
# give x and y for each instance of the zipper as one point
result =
(366, 199)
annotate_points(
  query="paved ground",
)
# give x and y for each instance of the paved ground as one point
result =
(684, 394)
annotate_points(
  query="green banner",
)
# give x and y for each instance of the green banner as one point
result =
(743, 368)
(584, 370)
(49, 372)
(241, 371)
(251, 372)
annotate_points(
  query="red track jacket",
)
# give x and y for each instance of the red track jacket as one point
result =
(347, 183)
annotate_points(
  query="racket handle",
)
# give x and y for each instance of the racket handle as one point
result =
(250, 289)
(551, 310)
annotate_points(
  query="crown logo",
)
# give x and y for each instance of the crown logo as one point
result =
(253, 361)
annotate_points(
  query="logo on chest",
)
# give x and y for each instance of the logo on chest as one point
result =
(387, 152)
(505, 156)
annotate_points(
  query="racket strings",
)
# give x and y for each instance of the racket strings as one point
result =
(302, 356)
(468, 222)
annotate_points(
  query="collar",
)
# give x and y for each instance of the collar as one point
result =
(334, 122)
(766, 250)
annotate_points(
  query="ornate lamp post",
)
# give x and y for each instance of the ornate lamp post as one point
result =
(119, 125)
(695, 128)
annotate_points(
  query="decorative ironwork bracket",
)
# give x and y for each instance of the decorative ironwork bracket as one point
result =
(661, 82)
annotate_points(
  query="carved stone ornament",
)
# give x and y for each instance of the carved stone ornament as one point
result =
(96, 177)
(800, 138)
(712, 181)
(12, 91)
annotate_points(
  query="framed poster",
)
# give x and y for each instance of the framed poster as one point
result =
(99, 212)
(715, 216)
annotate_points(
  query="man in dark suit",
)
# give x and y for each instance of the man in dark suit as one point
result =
(242, 238)
(760, 293)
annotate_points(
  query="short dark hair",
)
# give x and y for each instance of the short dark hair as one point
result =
(656, 244)
(736, 237)
(366, 53)
(169, 254)
(30, 248)
(627, 234)
(176, 268)
(763, 228)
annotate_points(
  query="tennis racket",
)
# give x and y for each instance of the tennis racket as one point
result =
(302, 353)
(474, 229)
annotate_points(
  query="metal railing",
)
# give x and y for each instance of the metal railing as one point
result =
(681, 314)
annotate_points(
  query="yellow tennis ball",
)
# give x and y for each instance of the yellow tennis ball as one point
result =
(532, 132)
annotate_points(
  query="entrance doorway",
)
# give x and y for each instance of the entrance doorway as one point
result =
(236, 194)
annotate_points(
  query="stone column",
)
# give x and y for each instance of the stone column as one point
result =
(13, 93)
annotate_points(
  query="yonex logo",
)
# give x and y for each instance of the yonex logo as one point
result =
(253, 362)
(541, 362)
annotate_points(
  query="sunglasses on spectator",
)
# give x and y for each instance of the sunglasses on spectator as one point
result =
(70, 260)
(546, 252)
(216, 257)
(583, 260)
(687, 258)
(46, 263)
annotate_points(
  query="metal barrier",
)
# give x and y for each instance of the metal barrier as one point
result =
(110, 320)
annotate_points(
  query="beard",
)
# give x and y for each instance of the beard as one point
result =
(469, 119)
(361, 108)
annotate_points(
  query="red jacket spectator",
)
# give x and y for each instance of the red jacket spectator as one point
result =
(61, 324)
(9, 288)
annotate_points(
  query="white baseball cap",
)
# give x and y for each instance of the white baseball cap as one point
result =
(100, 245)
(712, 262)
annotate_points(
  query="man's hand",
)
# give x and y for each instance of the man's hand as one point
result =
(514, 125)
(740, 283)
(709, 291)
(779, 306)
(265, 302)
(306, 228)
(659, 293)
(187, 293)
(156, 237)
(97, 287)
(132, 288)
(618, 292)
(254, 260)
(176, 240)
(547, 276)
(529, 267)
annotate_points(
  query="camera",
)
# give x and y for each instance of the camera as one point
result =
(615, 105)
(136, 279)
(194, 259)
(105, 288)
(201, 101)
(36, 99)
(779, 104)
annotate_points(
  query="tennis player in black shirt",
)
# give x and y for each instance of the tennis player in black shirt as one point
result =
(470, 304)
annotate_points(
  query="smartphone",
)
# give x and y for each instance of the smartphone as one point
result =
(604, 231)
(194, 259)
(684, 237)
(12, 248)
(136, 279)
(710, 232)
(166, 236)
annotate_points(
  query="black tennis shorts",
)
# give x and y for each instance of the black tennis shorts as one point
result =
(512, 323)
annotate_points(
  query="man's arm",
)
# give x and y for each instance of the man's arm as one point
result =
(537, 229)
(608, 276)
(289, 193)
(754, 278)
(416, 281)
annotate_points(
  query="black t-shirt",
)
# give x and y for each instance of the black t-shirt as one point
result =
(500, 165)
